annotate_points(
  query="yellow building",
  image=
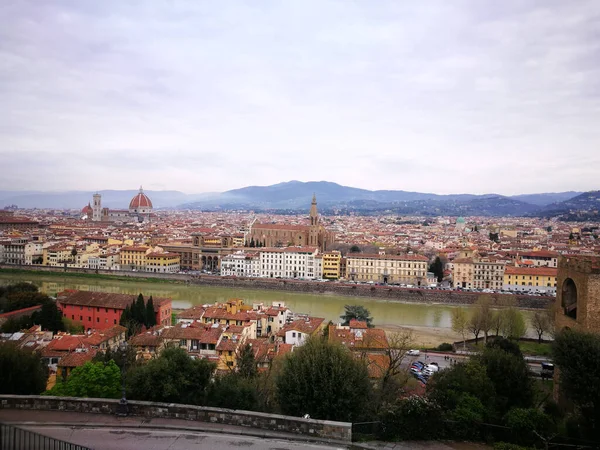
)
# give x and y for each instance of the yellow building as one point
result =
(228, 348)
(56, 255)
(332, 264)
(530, 279)
(134, 258)
(463, 273)
(406, 269)
(162, 262)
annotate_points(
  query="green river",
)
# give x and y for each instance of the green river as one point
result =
(385, 313)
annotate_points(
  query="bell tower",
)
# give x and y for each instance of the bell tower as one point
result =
(313, 234)
(97, 208)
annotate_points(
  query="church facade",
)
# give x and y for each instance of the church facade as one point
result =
(278, 235)
(140, 210)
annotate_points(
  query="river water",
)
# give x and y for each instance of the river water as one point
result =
(385, 313)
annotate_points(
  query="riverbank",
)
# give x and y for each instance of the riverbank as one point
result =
(387, 293)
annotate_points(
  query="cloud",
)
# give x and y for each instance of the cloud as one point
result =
(432, 96)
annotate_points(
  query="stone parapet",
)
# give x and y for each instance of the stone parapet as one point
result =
(322, 429)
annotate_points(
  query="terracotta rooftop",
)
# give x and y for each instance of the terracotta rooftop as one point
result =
(104, 299)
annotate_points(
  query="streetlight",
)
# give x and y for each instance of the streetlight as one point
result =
(123, 407)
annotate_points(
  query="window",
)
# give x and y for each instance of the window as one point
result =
(80, 317)
(293, 334)
(98, 319)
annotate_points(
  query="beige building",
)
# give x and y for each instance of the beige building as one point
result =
(463, 273)
(488, 274)
(400, 269)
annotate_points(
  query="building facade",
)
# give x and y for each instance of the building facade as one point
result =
(393, 269)
(530, 279)
(162, 262)
(100, 310)
(332, 265)
(488, 274)
(275, 235)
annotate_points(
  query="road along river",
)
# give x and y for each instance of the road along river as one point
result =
(431, 322)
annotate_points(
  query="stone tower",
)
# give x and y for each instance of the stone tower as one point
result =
(313, 232)
(97, 208)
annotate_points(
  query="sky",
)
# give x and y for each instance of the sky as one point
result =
(203, 96)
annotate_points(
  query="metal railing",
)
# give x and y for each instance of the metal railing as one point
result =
(15, 438)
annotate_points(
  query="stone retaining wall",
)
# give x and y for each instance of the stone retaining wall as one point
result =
(393, 293)
(323, 429)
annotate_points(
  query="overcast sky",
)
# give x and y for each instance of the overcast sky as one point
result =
(437, 96)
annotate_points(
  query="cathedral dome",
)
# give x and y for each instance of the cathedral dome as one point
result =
(140, 203)
(87, 210)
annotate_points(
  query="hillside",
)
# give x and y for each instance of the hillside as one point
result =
(333, 198)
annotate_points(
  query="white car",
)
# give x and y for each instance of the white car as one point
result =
(413, 353)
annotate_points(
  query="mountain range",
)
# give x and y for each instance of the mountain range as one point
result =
(295, 196)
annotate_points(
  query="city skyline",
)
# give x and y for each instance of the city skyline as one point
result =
(467, 97)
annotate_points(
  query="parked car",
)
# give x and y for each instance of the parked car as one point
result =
(413, 353)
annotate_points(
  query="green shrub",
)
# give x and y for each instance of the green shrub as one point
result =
(445, 347)
(412, 418)
(528, 424)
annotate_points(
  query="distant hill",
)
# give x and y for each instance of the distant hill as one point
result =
(585, 206)
(546, 199)
(295, 196)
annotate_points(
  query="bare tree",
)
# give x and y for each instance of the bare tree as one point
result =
(459, 323)
(543, 322)
(474, 325)
(399, 343)
(485, 314)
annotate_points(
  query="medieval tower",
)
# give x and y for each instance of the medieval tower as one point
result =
(97, 208)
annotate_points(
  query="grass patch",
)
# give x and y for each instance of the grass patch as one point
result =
(534, 349)
(95, 276)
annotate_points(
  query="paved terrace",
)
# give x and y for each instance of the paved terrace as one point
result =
(108, 432)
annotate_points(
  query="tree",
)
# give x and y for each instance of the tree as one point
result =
(448, 386)
(246, 363)
(150, 316)
(357, 312)
(542, 322)
(49, 317)
(138, 310)
(252, 244)
(513, 323)
(233, 391)
(94, 380)
(494, 237)
(398, 344)
(355, 249)
(460, 323)
(510, 376)
(474, 325)
(437, 268)
(73, 252)
(173, 377)
(325, 381)
(23, 372)
(505, 345)
(576, 354)
(124, 360)
(485, 315)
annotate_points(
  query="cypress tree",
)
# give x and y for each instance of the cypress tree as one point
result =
(125, 317)
(139, 310)
(150, 316)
